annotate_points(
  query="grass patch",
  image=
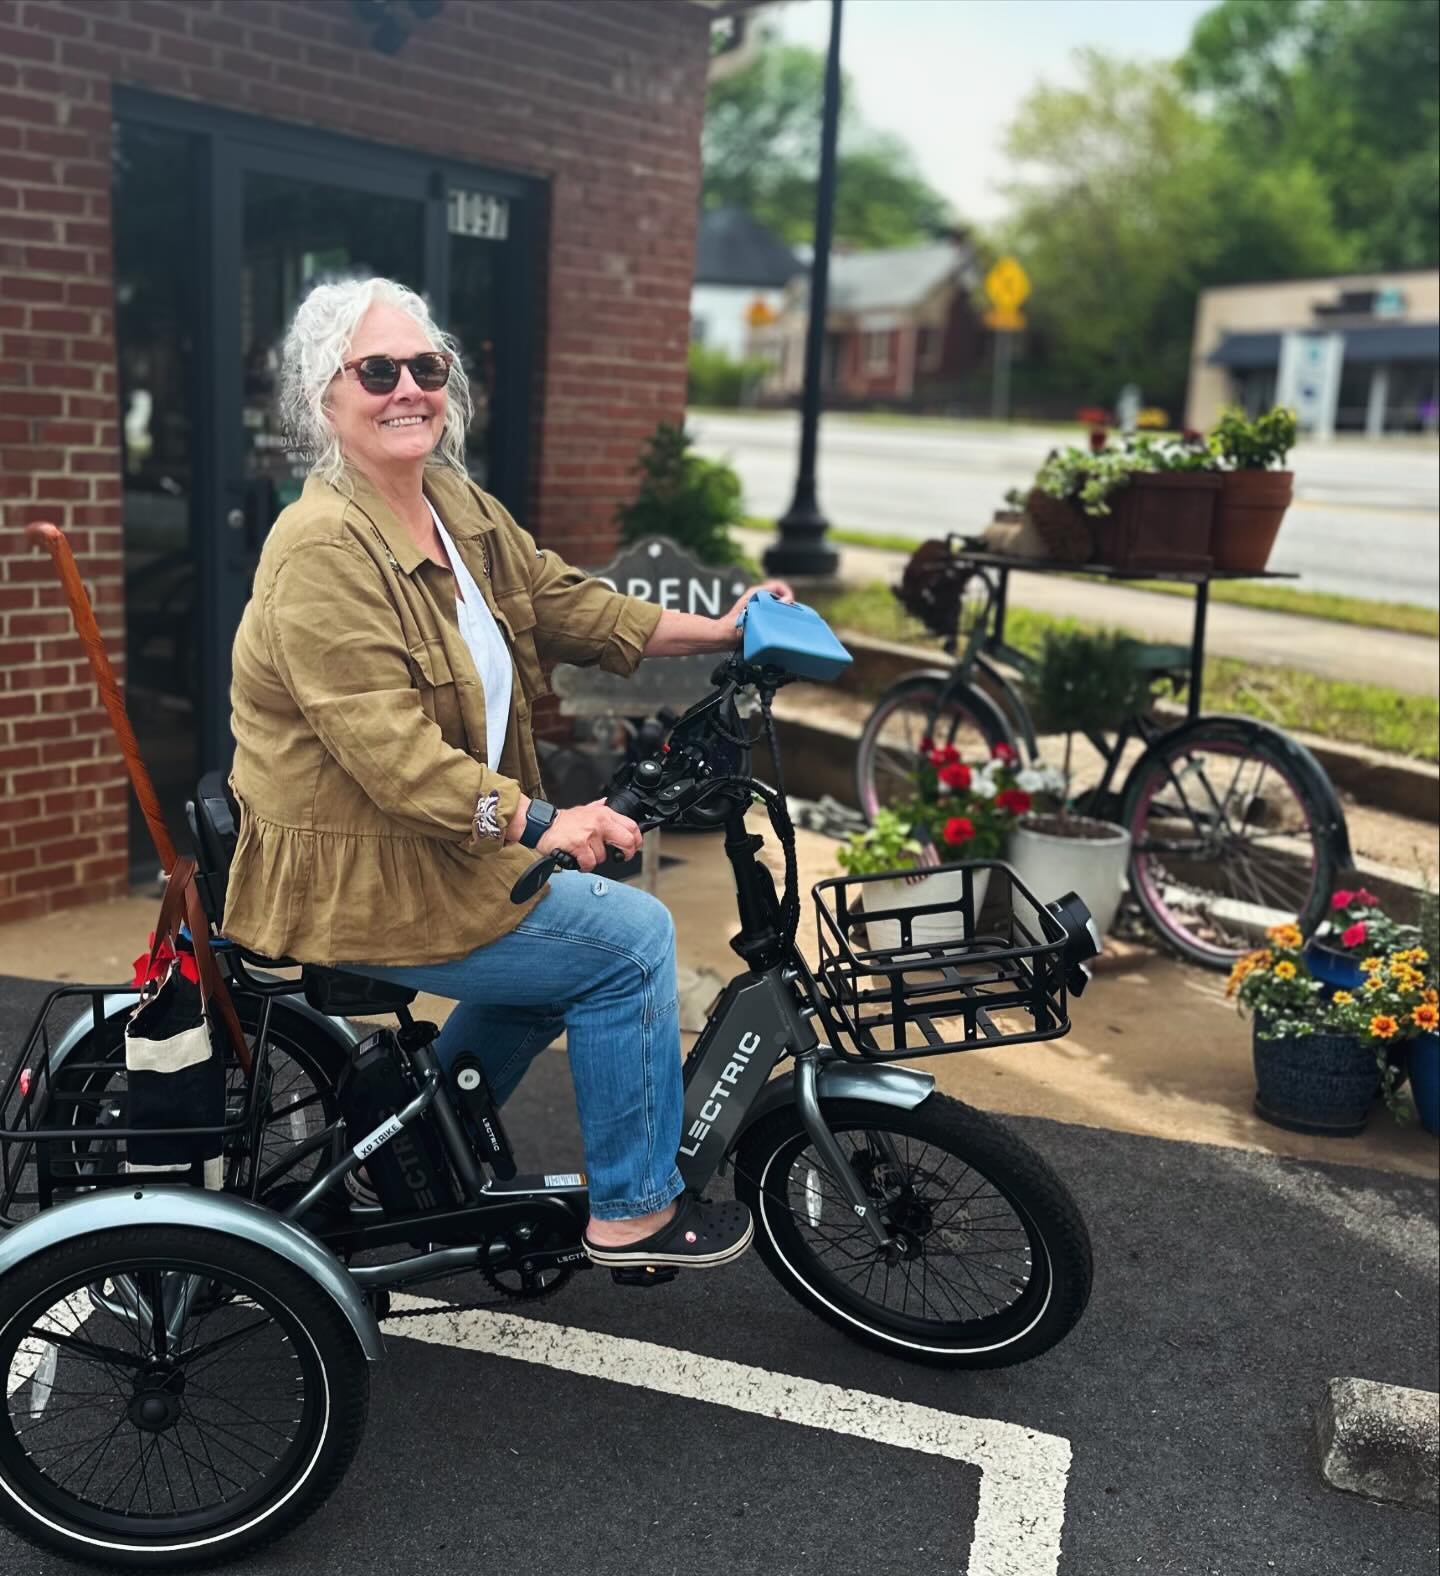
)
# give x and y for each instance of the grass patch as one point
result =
(1357, 713)
(1404, 617)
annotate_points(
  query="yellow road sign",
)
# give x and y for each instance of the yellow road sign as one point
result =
(1007, 284)
(1006, 320)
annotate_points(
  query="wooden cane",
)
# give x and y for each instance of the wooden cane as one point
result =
(52, 539)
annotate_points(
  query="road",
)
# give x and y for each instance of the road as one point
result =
(1366, 519)
(713, 1427)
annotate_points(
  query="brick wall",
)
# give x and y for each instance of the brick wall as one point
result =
(603, 98)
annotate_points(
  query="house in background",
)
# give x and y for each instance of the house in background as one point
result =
(1359, 353)
(902, 328)
(741, 270)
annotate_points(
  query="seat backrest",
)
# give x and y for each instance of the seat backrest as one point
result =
(214, 819)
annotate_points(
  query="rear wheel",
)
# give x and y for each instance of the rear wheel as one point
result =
(158, 1442)
(993, 1261)
(910, 711)
(1227, 838)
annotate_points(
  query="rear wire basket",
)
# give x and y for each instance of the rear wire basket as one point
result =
(1000, 981)
(64, 1134)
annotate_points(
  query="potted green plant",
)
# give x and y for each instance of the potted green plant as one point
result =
(1146, 502)
(1315, 1071)
(1083, 683)
(1255, 491)
(954, 812)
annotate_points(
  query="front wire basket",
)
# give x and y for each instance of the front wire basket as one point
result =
(968, 974)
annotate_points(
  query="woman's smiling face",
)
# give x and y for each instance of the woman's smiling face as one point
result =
(380, 432)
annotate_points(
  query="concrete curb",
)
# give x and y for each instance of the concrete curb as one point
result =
(1381, 1441)
(1386, 782)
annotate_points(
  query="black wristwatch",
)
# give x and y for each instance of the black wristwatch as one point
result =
(537, 822)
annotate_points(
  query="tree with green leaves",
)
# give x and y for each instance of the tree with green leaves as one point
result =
(762, 154)
(1346, 87)
(1126, 203)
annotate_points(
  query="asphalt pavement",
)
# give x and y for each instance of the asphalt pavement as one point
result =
(1170, 1433)
(1365, 522)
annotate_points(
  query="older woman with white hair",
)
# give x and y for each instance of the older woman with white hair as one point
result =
(384, 674)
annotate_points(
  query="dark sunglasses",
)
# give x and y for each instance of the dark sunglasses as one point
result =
(380, 374)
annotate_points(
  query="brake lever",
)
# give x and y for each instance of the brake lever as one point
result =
(547, 864)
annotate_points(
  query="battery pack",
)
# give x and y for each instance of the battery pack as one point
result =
(408, 1171)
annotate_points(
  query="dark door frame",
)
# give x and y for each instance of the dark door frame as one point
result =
(233, 144)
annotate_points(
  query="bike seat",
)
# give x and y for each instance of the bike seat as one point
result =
(337, 994)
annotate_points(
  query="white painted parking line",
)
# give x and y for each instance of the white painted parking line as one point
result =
(1022, 1471)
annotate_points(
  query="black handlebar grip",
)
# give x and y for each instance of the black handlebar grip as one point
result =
(625, 801)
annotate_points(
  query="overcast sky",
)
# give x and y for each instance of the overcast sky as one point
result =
(948, 74)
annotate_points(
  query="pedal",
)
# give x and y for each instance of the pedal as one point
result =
(644, 1275)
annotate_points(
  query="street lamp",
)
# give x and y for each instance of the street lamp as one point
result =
(801, 548)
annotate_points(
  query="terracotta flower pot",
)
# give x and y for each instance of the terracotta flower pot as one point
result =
(1248, 519)
(1160, 520)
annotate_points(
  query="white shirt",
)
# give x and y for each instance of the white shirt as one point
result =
(486, 645)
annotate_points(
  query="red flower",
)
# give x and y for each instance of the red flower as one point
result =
(927, 744)
(1342, 900)
(948, 756)
(1015, 799)
(1368, 899)
(955, 775)
(959, 829)
(1354, 936)
(1004, 752)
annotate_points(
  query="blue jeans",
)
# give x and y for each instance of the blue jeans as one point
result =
(596, 959)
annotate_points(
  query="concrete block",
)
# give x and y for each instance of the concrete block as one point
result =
(1380, 1440)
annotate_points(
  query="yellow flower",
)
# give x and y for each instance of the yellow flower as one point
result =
(1287, 936)
(1371, 964)
(1426, 1017)
(1383, 1027)
(1432, 998)
(1284, 971)
(1343, 998)
(1375, 982)
(1419, 955)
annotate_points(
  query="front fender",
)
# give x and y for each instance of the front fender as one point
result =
(883, 1083)
(223, 1213)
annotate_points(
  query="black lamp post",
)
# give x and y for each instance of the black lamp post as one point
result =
(801, 548)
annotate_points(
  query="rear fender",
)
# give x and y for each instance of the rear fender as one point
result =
(227, 1216)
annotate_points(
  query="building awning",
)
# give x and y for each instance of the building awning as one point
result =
(1378, 342)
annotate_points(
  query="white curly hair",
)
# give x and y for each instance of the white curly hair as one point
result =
(316, 347)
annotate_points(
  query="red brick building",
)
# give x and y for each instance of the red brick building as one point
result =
(173, 175)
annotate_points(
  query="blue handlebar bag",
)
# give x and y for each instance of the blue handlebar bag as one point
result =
(791, 636)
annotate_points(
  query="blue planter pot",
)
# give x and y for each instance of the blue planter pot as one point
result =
(1425, 1079)
(1334, 970)
(1315, 1083)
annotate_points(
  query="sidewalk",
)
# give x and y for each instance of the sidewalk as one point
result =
(1155, 1051)
(1405, 662)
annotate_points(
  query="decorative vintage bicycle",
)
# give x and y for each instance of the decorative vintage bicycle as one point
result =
(187, 1368)
(1234, 825)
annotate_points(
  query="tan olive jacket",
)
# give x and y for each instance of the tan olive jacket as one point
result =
(372, 830)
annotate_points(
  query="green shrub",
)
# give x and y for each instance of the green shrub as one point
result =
(691, 500)
(716, 379)
(1246, 445)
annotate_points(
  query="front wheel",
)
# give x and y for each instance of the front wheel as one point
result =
(993, 1259)
(173, 1397)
